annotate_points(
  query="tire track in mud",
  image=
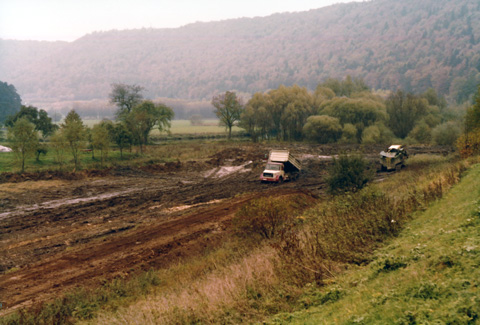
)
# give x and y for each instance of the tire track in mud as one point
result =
(116, 225)
(147, 246)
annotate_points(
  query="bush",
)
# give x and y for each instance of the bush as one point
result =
(348, 173)
(377, 133)
(267, 216)
(446, 133)
(421, 133)
(349, 133)
(323, 129)
(371, 135)
(469, 144)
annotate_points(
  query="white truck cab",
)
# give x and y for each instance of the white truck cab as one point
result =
(281, 166)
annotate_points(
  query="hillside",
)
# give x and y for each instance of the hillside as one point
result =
(391, 44)
(428, 275)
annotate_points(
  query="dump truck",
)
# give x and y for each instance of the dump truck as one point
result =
(394, 158)
(281, 166)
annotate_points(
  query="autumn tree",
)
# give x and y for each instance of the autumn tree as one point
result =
(74, 132)
(469, 143)
(24, 140)
(228, 109)
(474, 111)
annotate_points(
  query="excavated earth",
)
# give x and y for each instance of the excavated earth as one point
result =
(59, 231)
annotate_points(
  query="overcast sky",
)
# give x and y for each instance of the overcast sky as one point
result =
(68, 20)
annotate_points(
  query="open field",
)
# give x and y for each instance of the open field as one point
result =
(209, 126)
(64, 231)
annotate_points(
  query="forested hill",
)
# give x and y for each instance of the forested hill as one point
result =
(408, 44)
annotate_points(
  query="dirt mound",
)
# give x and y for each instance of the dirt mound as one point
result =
(238, 156)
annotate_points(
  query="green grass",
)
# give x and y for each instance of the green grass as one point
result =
(161, 152)
(428, 274)
(210, 126)
(183, 137)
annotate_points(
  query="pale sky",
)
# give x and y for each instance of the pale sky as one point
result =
(68, 20)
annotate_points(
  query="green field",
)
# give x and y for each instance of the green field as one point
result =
(180, 130)
(210, 126)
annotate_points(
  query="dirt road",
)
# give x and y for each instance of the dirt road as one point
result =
(58, 233)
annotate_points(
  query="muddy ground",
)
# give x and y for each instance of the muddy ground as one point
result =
(69, 230)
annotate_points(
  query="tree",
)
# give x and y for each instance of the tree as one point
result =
(24, 139)
(362, 111)
(255, 117)
(228, 109)
(377, 133)
(446, 134)
(44, 124)
(144, 117)
(348, 173)
(421, 133)
(347, 87)
(323, 129)
(39, 118)
(474, 111)
(121, 137)
(125, 97)
(469, 143)
(59, 145)
(10, 101)
(101, 139)
(74, 133)
(404, 111)
(293, 105)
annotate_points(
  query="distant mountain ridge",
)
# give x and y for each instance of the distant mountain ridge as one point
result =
(413, 45)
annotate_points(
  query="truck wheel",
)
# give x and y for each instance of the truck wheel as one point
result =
(280, 180)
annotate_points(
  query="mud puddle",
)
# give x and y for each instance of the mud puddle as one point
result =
(63, 202)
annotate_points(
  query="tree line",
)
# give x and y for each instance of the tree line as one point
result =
(338, 111)
(344, 111)
(135, 119)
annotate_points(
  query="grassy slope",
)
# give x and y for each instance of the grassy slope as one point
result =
(429, 274)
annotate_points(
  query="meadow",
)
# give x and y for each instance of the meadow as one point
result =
(183, 127)
(182, 141)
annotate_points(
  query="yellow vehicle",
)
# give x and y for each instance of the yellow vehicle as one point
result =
(394, 158)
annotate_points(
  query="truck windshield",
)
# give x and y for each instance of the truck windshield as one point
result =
(273, 167)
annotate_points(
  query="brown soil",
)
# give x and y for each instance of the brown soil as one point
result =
(65, 230)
